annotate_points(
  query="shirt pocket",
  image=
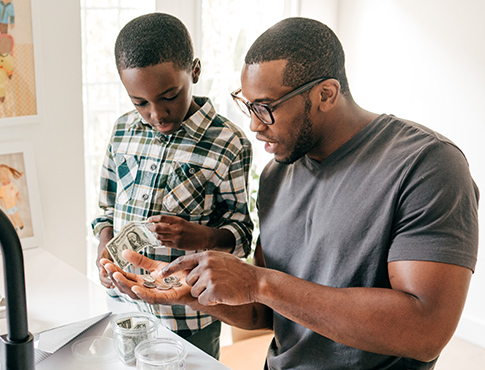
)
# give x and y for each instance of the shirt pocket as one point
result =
(127, 170)
(186, 189)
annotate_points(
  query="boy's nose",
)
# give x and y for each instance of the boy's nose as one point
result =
(158, 113)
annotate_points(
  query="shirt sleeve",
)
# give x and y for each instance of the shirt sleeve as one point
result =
(107, 194)
(233, 201)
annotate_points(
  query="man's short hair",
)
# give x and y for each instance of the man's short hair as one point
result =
(152, 39)
(310, 47)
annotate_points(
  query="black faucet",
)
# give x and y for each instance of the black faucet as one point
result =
(17, 346)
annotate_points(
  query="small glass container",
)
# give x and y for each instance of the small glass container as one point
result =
(129, 329)
(160, 354)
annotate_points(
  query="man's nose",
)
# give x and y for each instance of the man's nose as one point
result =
(256, 125)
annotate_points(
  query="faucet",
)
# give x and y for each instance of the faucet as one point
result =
(17, 346)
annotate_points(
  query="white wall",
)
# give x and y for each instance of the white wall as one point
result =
(424, 61)
(57, 134)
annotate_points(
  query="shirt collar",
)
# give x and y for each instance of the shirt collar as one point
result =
(195, 126)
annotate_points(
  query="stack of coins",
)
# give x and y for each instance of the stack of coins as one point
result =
(168, 282)
(149, 281)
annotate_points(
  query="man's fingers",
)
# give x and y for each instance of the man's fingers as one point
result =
(181, 264)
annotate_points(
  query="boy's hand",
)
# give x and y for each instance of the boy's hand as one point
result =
(103, 274)
(105, 236)
(132, 284)
(175, 232)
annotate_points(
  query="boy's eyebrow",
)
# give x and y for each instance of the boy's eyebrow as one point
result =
(159, 95)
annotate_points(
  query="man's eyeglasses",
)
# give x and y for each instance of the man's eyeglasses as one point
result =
(264, 110)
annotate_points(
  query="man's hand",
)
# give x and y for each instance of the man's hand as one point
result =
(218, 278)
(132, 284)
(175, 232)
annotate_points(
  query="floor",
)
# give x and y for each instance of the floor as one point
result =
(457, 355)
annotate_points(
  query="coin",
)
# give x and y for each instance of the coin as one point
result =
(172, 279)
(149, 278)
(149, 284)
(163, 286)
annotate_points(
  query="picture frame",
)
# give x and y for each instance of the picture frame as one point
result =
(19, 194)
(22, 89)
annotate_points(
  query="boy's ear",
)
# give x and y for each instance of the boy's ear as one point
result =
(195, 70)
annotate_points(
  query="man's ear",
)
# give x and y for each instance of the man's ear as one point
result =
(329, 91)
(196, 70)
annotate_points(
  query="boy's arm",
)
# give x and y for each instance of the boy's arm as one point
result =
(233, 200)
(103, 225)
(232, 230)
(107, 194)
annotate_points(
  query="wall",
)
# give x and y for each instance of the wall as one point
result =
(57, 133)
(423, 60)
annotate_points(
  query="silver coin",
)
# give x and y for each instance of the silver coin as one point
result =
(178, 283)
(149, 284)
(149, 278)
(172, 279)
(163, 286)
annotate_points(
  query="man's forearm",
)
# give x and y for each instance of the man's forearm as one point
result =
(249, 317)
(380, 320)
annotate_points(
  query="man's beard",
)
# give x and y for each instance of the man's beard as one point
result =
(304, 139)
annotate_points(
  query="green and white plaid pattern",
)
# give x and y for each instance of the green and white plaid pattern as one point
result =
(199, 173)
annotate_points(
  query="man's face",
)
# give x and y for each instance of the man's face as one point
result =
(162, 94)
(291, 136)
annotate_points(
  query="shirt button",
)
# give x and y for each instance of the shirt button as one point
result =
(145, 196)
(153, 167)
(192, 171)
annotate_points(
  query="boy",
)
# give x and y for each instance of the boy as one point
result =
(175, 162)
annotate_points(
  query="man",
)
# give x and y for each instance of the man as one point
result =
(369, 227)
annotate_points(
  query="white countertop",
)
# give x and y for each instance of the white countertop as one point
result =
(57, 295)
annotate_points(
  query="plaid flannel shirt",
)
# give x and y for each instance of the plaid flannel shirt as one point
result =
(199, 173)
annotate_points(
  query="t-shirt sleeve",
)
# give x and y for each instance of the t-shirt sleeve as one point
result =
(437, 212)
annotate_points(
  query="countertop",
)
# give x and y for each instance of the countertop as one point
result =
(57, 295)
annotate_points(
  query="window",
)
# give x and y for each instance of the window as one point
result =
(222, 31)
(104, 97)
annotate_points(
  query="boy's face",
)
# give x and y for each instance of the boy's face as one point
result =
(162, 94)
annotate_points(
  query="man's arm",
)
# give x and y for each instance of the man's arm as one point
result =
(247, 316)
(414, 319)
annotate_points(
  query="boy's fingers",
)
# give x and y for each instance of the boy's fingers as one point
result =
(139, 260)
(124, 285)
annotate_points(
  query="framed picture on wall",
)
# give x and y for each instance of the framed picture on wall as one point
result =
(19, 195)
(19, 62)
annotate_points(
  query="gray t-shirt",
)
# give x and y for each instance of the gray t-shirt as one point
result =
(395, 191)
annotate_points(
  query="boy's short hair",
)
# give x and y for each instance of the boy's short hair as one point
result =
(310, 47)
(152, 39)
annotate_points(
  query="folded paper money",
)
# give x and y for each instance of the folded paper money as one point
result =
(134, 236)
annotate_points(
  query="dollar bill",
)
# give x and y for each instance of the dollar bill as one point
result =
(125, 323)
(134, 236)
